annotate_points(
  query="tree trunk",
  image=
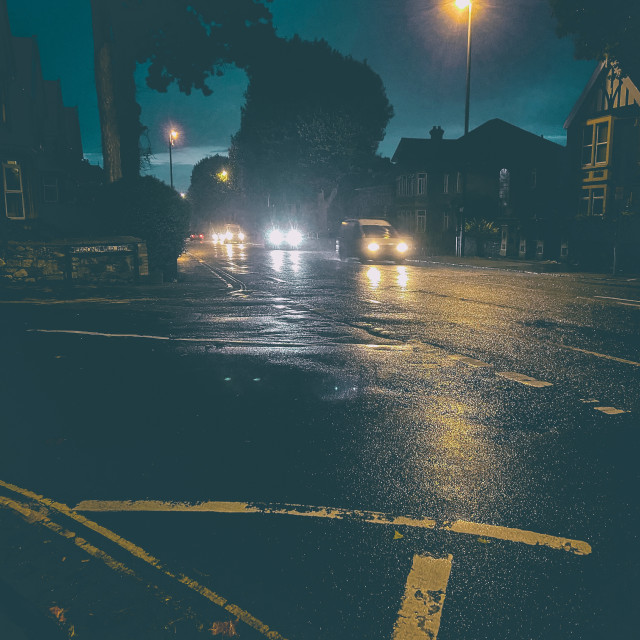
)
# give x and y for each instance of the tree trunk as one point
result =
(105, 88)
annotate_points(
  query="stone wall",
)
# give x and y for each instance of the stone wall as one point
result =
(106, 260)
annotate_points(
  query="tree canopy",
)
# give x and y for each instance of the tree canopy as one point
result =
(601, 29)
(183, 41)
(211, 192)
(311, 116)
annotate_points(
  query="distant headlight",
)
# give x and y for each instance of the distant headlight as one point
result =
(402, 247)
(275, 237)
(241, 236)
(294, 237)
(228, 235)
(214, 237)
(373, 246)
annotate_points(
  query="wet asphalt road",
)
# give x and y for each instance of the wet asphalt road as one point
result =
(291, 378)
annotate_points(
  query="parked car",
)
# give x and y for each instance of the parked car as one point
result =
(371, 239)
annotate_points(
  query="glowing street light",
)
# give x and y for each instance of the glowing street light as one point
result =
(173, 136)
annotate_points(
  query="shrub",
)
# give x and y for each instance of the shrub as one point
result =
(147, 208)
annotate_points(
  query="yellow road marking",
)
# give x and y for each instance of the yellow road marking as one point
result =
(610, 411)
(522, 379)
(601, 355)
(374, 517)
(472, 362)
(141, 554)
(419, 615)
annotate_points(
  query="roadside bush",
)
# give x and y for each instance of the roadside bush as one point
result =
(147, 208)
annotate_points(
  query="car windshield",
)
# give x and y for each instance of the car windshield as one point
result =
(379, 231)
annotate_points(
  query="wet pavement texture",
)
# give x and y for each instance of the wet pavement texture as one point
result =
(453, 393)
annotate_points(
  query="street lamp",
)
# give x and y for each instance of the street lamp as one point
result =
(465, 4)
(173, 136)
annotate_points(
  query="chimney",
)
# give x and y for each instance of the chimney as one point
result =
(436, 133)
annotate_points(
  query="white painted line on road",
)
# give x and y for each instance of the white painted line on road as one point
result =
(522, 379)
(610, 411)
(424, 594)
(373, 517)
(472, 362)
(633, 302)
(600, 355)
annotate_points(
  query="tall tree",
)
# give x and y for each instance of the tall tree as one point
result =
(311, 116)
(211, 192)
(186, 41)
(601, 29)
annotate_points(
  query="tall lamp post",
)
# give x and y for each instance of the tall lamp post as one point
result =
(465, 4)
(173, 136)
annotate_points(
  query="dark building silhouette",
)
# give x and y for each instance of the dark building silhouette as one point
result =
(40, 145)
(513, 204)
(603, 140)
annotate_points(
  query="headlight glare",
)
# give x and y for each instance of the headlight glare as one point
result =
(294, 237)
(402, 247)
(373, 246)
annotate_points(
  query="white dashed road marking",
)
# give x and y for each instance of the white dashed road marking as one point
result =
(610, 411)
(419, 615)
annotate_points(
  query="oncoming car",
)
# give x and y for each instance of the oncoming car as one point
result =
(231, 233)
(371, 239)
(279, 239)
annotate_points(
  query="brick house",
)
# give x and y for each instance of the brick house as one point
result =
(515, 185)
(40, 145)
(603, 141)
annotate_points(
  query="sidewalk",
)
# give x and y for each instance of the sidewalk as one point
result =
(535, 266)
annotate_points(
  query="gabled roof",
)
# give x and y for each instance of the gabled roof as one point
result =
(595, 76)
(418, 151)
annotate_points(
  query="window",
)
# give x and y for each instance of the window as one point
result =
(445, 183)
(422, 184)
(595, 143)
(13, 196)
(592, 202)
(421, 220)
(504, 187)
(445, 220)
(459, 183)
(533, 178)
(3, 105)
(50, 188)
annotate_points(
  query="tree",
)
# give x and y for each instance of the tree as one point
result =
(186, 41)
(599, 30)
(211, 192)
(311, 116)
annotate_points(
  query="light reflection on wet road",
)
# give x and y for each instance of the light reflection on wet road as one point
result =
(399, 389)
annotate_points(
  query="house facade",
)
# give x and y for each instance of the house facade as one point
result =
(40, 145)
(603, 141)
(501, 184)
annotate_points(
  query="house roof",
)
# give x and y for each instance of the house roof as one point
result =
(595, 76)
(418, 151)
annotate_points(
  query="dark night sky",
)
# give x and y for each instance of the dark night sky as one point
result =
(521, 72)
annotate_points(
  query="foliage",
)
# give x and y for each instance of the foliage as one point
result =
(481, 228)
(311, 116)
(184, 41)
(149, 209)
(599, 30)
(211, 191)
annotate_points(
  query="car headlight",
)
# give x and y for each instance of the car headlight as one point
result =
(402, 247)
(241, 236)
(373, 246)
(294, 237)
(275, 237)
(214, 237)
(228, 235)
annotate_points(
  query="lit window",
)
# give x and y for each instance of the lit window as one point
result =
(13, 196)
